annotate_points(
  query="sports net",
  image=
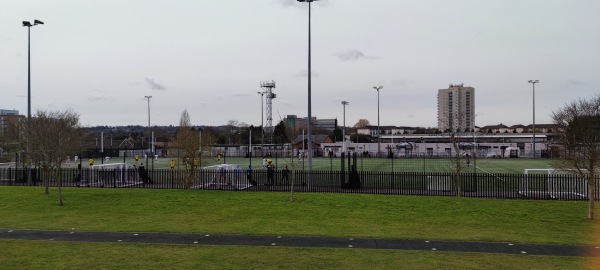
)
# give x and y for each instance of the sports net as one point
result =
(223, 176)
(7, 171)
(553, 183)
(113, 175)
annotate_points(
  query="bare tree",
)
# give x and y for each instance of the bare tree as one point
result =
(361, 123)
(579, 137)
(189, 144)
(292, 161)
(233, 131)
(457, 157)
(51, 137)
(458, 162)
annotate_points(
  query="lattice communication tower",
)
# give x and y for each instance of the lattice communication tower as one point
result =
(268, 86)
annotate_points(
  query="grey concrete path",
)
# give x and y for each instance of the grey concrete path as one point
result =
(302, 241)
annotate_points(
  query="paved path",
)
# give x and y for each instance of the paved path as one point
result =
(301, 241)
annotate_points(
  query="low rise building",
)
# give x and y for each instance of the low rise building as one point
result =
(8, 118)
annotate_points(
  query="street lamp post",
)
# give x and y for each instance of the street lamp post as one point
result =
(377, 88)
(262, 126)
(149, 145)
(309, 99)
(344, 103)
(475, 147)
(533, 82)
(29, 25)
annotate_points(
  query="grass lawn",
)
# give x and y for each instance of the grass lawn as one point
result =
(355, 215)
(62, 255)
(266, 213)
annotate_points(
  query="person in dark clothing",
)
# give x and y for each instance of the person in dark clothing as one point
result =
(270, 173)
(144, 175)
(285, 175)
(249, 175)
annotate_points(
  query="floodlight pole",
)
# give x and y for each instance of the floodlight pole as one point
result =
(475, 147)
(149, 145)
(377, 88)
(28, 73)
(344, 103)
(262, 127)
(250, 146)
(310, 153)
(533, 82)
(29, 25)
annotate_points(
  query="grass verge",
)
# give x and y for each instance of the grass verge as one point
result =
(343, 215)
(62, 255)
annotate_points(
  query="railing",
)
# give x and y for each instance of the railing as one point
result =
(480, 185)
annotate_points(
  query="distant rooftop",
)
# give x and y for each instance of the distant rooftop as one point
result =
(8, 112)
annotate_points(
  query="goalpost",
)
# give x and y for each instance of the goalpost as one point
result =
(553, 183)
(223, 176)
(113, 174)
(7, 171)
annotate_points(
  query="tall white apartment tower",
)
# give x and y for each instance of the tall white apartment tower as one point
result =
(456, 108)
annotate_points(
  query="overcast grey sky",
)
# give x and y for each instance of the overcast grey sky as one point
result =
(101, 58)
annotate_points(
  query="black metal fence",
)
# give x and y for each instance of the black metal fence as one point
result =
(505, 186)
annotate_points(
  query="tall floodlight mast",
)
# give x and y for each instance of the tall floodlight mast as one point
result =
(268, 86)
(533, 82)
(308, 123)
(29, 25)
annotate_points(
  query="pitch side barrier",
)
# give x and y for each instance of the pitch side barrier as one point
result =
(538, 186)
